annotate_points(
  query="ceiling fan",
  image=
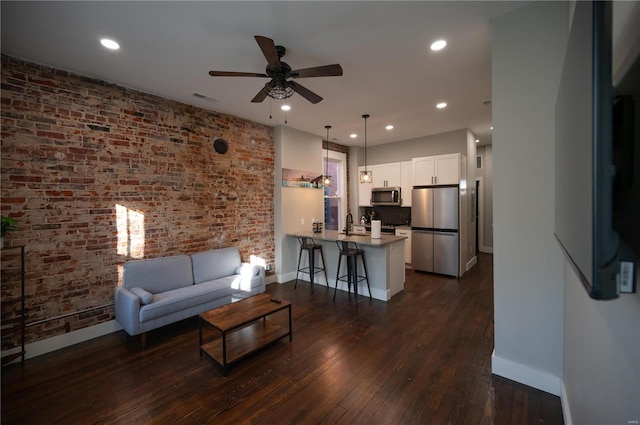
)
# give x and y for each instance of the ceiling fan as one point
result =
(280, 87)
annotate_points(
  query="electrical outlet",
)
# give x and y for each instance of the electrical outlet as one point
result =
(268, 267)
(302, 221)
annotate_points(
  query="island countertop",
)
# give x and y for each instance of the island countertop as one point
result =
(334, 235)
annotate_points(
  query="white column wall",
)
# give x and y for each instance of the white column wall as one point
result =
(528, 47)
(299, 151)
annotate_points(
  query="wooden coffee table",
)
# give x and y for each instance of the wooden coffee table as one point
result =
(242, 330)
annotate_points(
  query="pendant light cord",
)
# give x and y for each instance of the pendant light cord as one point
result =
(326, 164)
(365, 116)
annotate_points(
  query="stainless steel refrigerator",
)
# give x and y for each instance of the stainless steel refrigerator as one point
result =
(434, 224)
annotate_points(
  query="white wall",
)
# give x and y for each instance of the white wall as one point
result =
(438, 144)
(485, 244)
(527, 53)
(470, 248)
(602, 356)
(300, 151)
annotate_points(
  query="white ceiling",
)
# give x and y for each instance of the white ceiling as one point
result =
(167, 49)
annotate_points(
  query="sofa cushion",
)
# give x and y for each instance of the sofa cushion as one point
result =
(183, 298)
(239, 283)
(145, 297)
(157, 275)
(214, 264)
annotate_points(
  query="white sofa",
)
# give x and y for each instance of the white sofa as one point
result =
(159, 291)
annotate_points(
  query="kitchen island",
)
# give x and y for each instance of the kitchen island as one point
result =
(384, 257)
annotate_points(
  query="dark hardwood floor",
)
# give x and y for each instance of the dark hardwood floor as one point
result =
(422, 358)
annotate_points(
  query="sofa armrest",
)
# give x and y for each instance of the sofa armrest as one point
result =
(262, 273)
(127, 306)
(247, 269)
(263, 277)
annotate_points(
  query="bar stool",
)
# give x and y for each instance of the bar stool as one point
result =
(352, 252)
(309, 245)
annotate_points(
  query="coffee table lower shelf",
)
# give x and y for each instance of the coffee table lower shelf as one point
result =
(244, 326)
(242, 342)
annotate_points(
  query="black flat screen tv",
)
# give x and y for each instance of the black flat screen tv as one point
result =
(584, 169)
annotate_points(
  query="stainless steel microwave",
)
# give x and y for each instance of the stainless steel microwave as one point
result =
(386, 196)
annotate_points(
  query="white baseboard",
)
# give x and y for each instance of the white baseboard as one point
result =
(57, 342)
(472, 262)
(486, 249)
(566, 410)
(270, 279)
(532, 377)
(285, 277)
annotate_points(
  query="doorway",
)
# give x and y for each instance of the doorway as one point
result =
(479, 212)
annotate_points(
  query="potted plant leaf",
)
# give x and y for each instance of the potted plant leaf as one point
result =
(6, 224)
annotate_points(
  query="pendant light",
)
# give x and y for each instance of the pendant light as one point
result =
(327, 180)
(365, 176)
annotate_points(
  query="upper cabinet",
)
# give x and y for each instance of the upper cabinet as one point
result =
(394, 174)
(386, 175)
(436, 170)
(425, 171)
(447, 169)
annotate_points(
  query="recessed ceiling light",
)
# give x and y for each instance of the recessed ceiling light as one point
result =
(441, 105)
(491, 127)
(109, 44)
(477, 140)
(285, 107)
(389, 127)
(353, 135)
(438, 45)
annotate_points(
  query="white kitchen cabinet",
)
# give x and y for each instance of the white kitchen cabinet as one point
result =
(387, 175)
(393, 174)
(436, 170)
(379, 175)
(447, 169)
(423, 171)
(364, 190)
(406, 182)
(407, 243)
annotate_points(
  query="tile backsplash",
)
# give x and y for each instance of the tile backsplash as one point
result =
(396, 216)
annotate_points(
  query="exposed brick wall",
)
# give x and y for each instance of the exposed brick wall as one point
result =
(97, 174)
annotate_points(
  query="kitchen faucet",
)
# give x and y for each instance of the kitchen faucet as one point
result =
(349, 224)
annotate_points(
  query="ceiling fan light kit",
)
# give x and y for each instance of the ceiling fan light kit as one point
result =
(281, 92)
(280, 87)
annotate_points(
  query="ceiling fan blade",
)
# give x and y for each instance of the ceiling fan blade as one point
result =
(235, 74)
(334, 70)
(305, 92)
(268, 48)
(262, 94)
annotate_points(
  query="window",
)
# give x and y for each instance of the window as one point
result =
(334, 194)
